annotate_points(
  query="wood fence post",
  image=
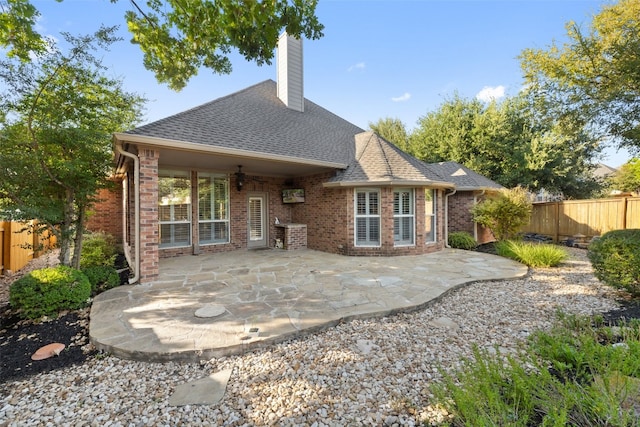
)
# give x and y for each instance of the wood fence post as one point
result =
(624, 202)
(556, 234)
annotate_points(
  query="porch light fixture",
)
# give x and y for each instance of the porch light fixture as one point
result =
(239, 178)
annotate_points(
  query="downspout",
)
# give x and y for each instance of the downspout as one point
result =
(136, 192)
(446, 217)
(475, 224)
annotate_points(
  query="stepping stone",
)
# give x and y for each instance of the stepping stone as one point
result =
(444, 322)
(205, 391)
(210, 310)
(48, 351)
(365, 346)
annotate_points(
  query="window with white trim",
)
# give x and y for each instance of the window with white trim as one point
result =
(174, 208)
(430, 215)
(213, 208)
(367, 218)
(403, 217)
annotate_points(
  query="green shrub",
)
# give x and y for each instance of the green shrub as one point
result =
(570, 375)
(532, 254)
(101, 277)
(616, 259)
(98, 249)
(462, 240)
(47, 291)
(504, 213)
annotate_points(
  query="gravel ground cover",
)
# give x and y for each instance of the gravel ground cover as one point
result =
(364, 372)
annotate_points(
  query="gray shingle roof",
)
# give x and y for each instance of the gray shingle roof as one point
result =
(463, 177)
(255, 119)
(377, 160)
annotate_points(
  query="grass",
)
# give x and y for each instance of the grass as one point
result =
(580, 373)
(532, 254)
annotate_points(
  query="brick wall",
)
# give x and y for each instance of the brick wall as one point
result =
(460, 218)
(106, 214)
(149, 234)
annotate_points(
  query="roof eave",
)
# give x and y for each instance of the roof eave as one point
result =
(390, 183)
(461, 188)
(213, 149)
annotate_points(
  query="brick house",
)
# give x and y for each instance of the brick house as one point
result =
(264, 167)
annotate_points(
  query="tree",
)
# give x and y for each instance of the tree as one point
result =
(178, 37)
(504, 213)
(509, 142)
(55, 138)
(628, 177)
(594, 77)
(393, 130)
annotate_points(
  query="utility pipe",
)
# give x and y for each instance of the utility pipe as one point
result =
(136, 193)
(446, 217)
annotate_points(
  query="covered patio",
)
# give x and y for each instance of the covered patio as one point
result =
(220, 304)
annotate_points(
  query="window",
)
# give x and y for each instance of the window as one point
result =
(174, 208)
(213, 209)
(430, 215)
(403, 217)
(367, 217)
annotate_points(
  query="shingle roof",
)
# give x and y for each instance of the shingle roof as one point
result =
(464, 178)
(377, 160)
(255, 119)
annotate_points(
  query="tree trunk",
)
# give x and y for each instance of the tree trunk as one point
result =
(79, 226)
(66, 230)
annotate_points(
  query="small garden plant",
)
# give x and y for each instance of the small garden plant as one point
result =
(504, 213)
(48, 291)
(98, 249)
(462, 240)
(616, 259)
(101, 277)
(532, 254)
(580, 373)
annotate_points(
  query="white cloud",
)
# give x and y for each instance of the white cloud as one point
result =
(359, 66)
(404, 97)
(489, 93)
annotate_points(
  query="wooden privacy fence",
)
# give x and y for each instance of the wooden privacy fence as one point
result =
(565, 219)
(19, 245)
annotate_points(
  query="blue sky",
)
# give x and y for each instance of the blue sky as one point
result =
(384, 58)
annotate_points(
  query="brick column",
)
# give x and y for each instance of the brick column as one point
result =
(149, 235)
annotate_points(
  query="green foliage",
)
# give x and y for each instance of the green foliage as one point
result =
(628, 177)
(55, 140)
(17, 29)
(101, 277)
(393, 130)
(47, 291)
(594, 76)
(462, 240)
(532, 254)
(510, 143)
(571, 375)
(616, 259)
(98, 249)
(504, 213)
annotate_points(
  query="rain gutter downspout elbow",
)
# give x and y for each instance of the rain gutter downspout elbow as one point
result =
(136, 192)
(446, 217)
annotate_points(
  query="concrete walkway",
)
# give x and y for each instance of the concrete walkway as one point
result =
(213, 305)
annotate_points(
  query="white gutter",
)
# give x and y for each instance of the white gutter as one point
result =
(223, 151)
(446, 217)
(136, 192)
(389, 183)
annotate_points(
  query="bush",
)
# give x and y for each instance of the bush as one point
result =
(532, 254)
(98, 249)
(47, 291)
(616, 259)
(462, 240)
(579, 373)
(505, 213)
(101, 277)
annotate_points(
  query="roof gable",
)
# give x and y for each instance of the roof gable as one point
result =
(254, 119)
(464, 178)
